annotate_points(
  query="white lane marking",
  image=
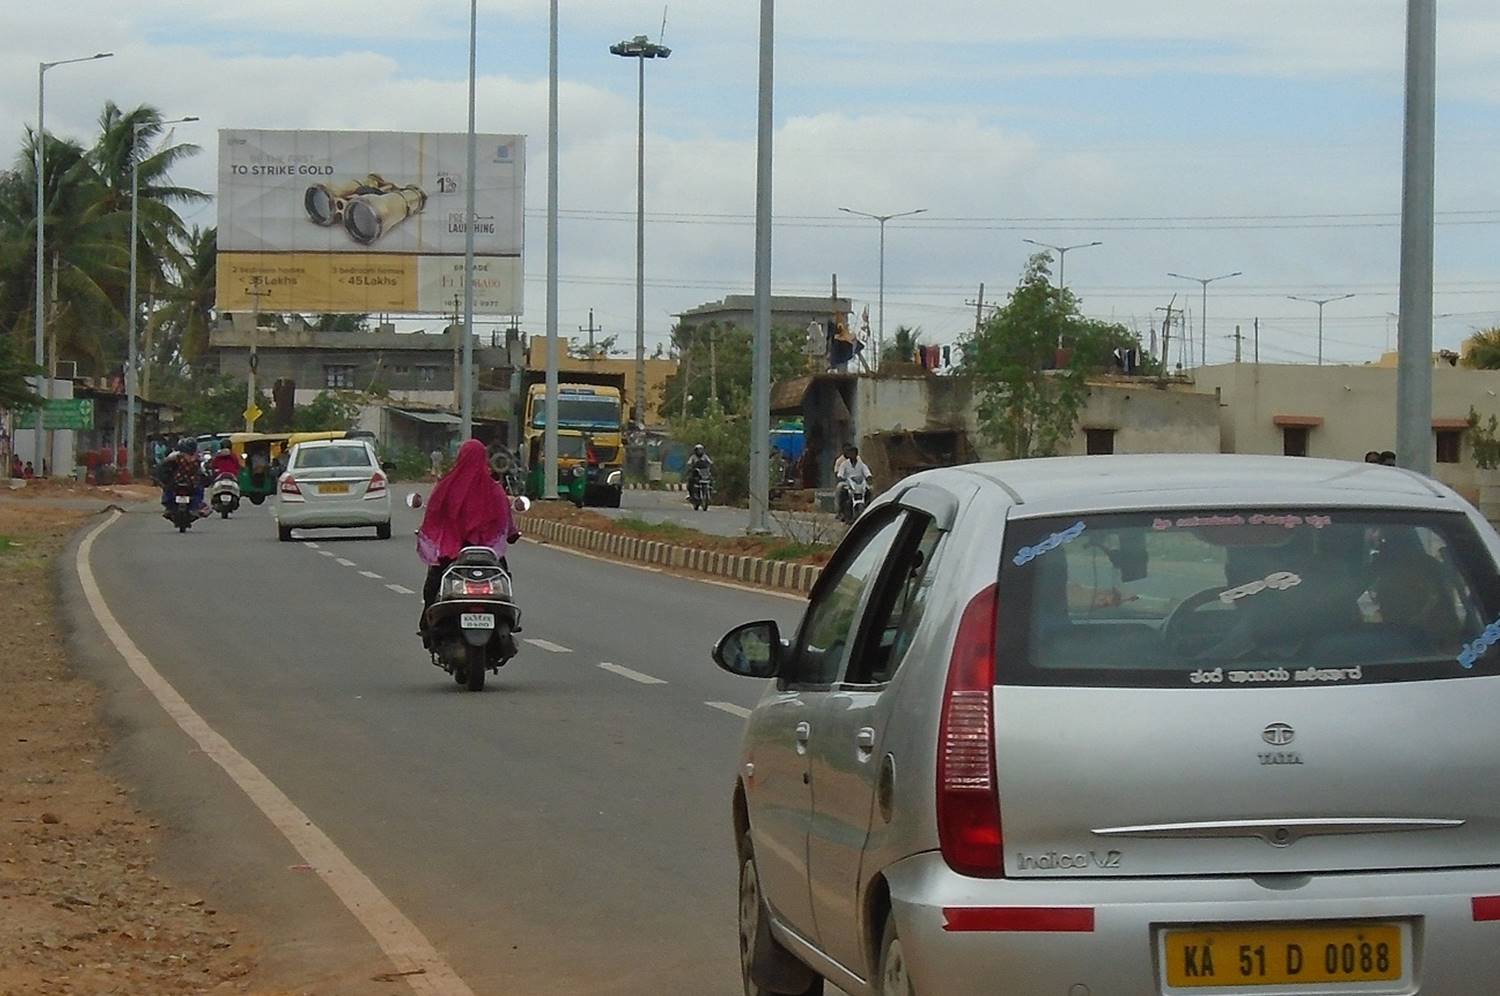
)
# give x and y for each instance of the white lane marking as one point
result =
(409, 951)
(371, 575)
(326, 553)
(310, 544)
(657, 570)
(344, 563)
(626, 672)
(548, 646)
(730, 708)
(398, 589)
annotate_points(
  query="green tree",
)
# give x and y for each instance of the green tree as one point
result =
(1030, 362)
(15, 392)
(330, 411)
(340, 323)
(1482, 350)
(722, 356)
(727, 439)
(177, 334)
(210, 401)
(903, 345)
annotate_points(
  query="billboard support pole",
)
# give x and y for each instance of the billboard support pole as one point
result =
(466, 427)
(549, 470)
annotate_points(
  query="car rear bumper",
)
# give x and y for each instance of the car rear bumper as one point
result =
(326, 513)
(1453, 952)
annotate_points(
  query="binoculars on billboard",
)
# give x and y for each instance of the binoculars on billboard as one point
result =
(367, 208)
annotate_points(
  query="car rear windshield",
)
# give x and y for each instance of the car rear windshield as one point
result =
(1246, 598)
(320, 457)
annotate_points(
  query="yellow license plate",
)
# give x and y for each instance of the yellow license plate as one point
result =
(333, 489)
(1280, 956)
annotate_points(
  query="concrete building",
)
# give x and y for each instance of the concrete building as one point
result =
(1343, 412)
(904, 424)
(657, 372)
(738, 310)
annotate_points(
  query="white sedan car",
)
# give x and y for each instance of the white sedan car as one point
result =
(333, 484)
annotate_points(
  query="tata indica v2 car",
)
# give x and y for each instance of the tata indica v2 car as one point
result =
(1118, 726)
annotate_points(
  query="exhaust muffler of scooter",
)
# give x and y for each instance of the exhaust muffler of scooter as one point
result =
(370, 217)
(326, 202)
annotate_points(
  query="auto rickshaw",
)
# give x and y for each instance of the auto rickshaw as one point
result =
(572, 467)
(262, 455)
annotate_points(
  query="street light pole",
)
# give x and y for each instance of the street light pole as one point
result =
(466, 417)
(1321, 303)
(131, 361)
(549, 433)
(1414, 449)
(45, 377)
(1062, 258)
(1203, 314)
(760, 417)
(640, 48)
(882, 219)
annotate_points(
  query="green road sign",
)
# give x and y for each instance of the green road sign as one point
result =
(61, 413)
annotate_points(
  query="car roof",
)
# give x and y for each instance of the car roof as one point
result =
(317, 444)
(1107, 482)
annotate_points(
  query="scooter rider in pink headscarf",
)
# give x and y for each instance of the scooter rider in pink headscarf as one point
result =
(467, 508)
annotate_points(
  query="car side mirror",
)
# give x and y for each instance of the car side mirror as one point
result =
(413, 500)
(753, 650)
(521, 503)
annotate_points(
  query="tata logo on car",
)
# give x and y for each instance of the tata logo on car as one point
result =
(1278, 734)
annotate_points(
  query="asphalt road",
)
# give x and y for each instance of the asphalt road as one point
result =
(565, 831)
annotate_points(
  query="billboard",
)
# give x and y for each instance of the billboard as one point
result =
(368, 222)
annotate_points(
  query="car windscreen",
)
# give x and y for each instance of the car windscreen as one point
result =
(326, 457)
(1246, 597)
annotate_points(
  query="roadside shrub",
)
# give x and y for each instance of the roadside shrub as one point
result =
(727, 438)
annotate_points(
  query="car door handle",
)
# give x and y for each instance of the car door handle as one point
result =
(804, 733)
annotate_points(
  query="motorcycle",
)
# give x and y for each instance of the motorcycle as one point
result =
(472, 623)
(182, 513)
(700, 490)
(224, 495)
(856, 497)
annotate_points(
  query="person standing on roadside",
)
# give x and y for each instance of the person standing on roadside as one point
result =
(436, 456)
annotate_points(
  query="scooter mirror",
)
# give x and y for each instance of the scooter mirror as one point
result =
(520, 503)
(413, 500)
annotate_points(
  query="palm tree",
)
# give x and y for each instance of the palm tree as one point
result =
(1482, 350)
(177, 334)
(903, 345)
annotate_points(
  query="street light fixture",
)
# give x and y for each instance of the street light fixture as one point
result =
(41, 212)
(1203, 315)
(131, 361)
(640, 48)
(1321, 303)
(1062, 257)
(882, 219)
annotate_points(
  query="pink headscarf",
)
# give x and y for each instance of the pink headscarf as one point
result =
(467, 508)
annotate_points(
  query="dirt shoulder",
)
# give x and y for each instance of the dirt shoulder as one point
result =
(81, 911)
(770, 548)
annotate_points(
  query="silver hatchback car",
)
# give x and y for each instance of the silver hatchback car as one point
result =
(1119, 726)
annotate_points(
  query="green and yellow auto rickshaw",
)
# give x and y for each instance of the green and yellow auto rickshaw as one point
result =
(572, 467)
(262, 456)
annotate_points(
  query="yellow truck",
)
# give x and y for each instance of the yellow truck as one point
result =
(594, 412)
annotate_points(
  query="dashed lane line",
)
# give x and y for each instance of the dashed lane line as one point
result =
(326, 553)
(310, 544)
(344, 563)
(400, 589)
(409, 950)
(548, 646)
(633, 675)
(371, 575)
(730, 708)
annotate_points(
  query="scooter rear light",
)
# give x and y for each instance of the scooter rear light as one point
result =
(479, 587)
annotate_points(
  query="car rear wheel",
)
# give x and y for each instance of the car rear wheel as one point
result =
(475, 666)
(892, 979)
(383, 531)
(284, 533)
(762, 959)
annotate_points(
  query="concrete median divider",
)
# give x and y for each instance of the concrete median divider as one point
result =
(778, 575)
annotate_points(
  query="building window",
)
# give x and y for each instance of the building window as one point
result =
(1099, 442)
(402, 371)
(1294, 440)
(1450, 445)
(427, 376)
(339, 377)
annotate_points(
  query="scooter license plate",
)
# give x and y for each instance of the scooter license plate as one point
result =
(476, 620)
(184, 499)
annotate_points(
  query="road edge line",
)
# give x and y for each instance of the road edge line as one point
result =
(402, 941)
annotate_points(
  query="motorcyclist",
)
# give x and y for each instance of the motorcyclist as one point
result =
(224, 462)
(182, 471)
(468, 507)
(700, 465)
(849, 468)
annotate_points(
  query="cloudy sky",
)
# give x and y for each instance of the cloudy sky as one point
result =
(1201, 138)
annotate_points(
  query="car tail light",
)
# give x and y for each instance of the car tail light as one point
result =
(968, 801)
(1486, 909)
(290, 487)
(377, 485)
